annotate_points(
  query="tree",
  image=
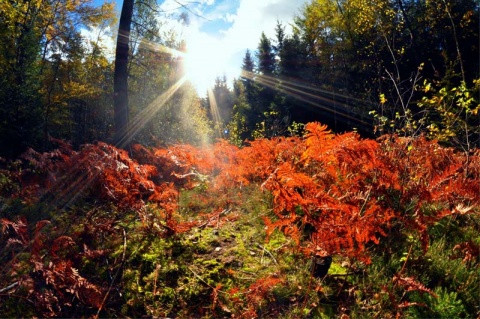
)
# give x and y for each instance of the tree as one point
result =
(250, 88)
(42, 69)
(163, 108)
(123, 133)
(280, 39)
(292, 62)
(120, 84)
(150, 69)
(219, 103)
(20, 109)
(265, 56)
(248, 67)
(76, 78)
(378, 51)
(239, 126)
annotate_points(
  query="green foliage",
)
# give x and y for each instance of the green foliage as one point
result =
(220, 106)
(381, 51)
(449, 116)
(241, 126)
(296, 129)
(453, 113)
(265, 56)
(261, 109)
(53, 81)
(342, 54)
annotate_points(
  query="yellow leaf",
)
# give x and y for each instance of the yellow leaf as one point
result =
(383, 99)
(427, 87)
(475, 110)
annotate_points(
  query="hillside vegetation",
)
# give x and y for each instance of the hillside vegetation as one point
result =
(229, 232)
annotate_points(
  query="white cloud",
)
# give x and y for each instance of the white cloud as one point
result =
(101, 36)
(169, 5)
(230, 17)
(254, 17)
(239, 27)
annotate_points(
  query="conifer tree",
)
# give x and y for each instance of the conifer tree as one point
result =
(265, 56)
(248, 76)
(280, 39)
(223, 99)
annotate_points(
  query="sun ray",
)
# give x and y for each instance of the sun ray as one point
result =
(217, 120)
(143, 117)
(314, 96)
(65, 195)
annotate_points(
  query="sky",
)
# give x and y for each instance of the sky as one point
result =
(220, 31)
(224, 29)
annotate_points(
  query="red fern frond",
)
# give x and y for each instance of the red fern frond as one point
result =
(468, 251)
(259, 291)
(411, 284)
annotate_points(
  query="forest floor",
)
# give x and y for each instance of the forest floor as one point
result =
(228, 232)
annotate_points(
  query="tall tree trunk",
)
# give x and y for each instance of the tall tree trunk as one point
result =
(120, 81)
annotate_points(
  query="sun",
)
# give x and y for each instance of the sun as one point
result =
(205, 60)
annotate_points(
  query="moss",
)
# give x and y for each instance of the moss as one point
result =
(337, 269)
(179, 276)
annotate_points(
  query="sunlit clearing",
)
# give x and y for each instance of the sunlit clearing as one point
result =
(205, 60)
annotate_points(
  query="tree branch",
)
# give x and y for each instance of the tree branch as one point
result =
(15, 284)
(149, 6)
(190, 10)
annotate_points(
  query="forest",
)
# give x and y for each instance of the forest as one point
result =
(337, 177)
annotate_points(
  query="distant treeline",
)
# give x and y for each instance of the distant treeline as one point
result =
(377, 66)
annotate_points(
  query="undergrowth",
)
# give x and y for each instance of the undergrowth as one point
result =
(228, 232)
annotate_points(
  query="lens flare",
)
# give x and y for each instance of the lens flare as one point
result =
(205, 60)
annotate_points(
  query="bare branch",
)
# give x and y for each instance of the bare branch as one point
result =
(189, 10)
(9, 287)
(149, 6)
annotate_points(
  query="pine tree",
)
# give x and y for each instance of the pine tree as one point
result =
(240, 125)
(223, 98)
(292, 58)
(248, 77)
(265, 56)
(280, 39)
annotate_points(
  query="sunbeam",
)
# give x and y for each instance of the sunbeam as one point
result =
(320, 99)
(217, 120)
(67, 188)
(206, 59)
(143, 117)
(66, 196)
(155, 47)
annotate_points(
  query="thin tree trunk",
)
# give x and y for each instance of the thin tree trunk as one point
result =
(120, 84)
(455, 37)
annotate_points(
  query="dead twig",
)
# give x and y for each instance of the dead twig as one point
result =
(268, 252)
(116, 274)
(9, 287)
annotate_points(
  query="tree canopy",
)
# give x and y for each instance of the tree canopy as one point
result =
(353, 63)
